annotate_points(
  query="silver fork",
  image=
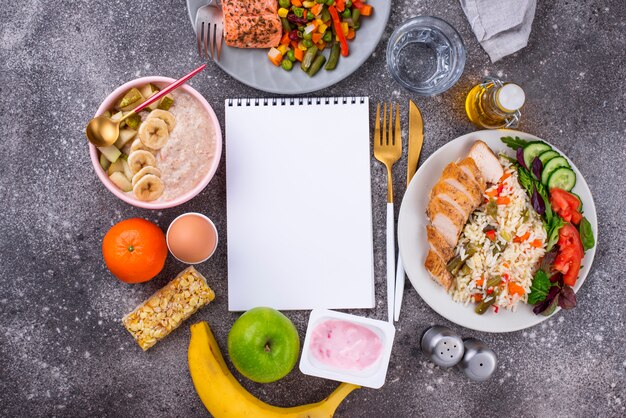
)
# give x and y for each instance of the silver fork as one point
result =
(210, 30)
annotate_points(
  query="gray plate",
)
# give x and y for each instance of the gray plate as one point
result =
(252, 67)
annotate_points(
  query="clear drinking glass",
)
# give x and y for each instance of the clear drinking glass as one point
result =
(426, 55)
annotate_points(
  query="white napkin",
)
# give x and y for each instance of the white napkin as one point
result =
(501, 26)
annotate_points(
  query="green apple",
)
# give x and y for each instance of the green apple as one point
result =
(263, 344)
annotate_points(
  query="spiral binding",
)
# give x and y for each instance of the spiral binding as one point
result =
(282, 101)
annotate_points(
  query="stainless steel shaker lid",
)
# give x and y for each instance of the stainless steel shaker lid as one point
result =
(444, 347)
(479, 361)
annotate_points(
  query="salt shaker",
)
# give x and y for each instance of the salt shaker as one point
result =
(444, 347)
(479, 361)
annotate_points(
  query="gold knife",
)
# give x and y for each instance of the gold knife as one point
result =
(416, 140)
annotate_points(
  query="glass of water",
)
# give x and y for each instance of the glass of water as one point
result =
(426, 55)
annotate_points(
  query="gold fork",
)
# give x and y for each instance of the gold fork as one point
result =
(388, 150)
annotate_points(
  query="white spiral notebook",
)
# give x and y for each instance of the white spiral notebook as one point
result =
(299, 203)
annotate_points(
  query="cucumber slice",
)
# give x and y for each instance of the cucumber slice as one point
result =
(544, 157)
(563, 178)
(551, 166)
(532, 150)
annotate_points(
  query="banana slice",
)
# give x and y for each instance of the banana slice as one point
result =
(139, 159)
(154, 133)
(137, 145)
(145, 171)
(148, 188)
(165, 116)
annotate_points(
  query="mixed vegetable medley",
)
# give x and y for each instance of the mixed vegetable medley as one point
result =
(548, 179)
(311, 26)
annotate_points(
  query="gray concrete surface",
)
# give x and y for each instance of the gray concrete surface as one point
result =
(63, 351)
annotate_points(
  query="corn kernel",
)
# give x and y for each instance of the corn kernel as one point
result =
(322, 28)
(283, 49)
(282, 12)
(344, 28)
(308, 4)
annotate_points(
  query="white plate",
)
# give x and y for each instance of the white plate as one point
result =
(413, 243)
(252, 67)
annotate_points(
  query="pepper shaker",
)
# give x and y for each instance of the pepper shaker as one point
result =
(444, 347)
(479, 361)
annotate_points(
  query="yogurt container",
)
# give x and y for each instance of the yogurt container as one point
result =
(347, 348)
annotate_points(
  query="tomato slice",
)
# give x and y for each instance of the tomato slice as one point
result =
(566, 205)
(570, 255)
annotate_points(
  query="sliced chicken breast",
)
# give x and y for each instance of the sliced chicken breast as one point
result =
(448, 192)
(458, 178)
(438, 244)
(469, 166)
(437, 269)
(486, 161)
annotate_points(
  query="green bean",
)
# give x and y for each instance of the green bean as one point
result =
(286, 24)
(317, 64)
(307, 60)
(466, 269)
(284, 3)
(325, 15)
(346, 14)
(505, 235)
(356, 13)
(334, 57)
(482, 307)
(328, 36)
(454, 265)
(470, 250)
(499, 248)
(320, 1)
(492, 208)
(525, 215)
(291, 56)
(286, 64)
(330, 2)
(494, 281)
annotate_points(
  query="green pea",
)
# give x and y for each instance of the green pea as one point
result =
(330, 2)
(286, 64)
(346, 13)
(298, 11)
(328, 36)
(284, 3)
(307, 43)
(291, 56)
(307, 35)
(310, 16)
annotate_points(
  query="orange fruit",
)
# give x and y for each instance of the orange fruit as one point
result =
(134, 250)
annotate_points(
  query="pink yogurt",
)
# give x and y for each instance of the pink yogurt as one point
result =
(345, 345)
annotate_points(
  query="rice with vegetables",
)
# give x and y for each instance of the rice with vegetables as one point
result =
(499, 249)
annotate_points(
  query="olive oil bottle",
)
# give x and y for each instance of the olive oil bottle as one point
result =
(494, 104)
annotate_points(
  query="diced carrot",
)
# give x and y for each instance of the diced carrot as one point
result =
(503, 200)
(536, 243)
(522, 238)
(294, 44)
(351, 34)
(492, 193)
(304, 14)
(316, 37)
(515, 289)
(296, 3)
(505, 176)
(317, 9)
(299, 54)
(505, 265)
(366, 10)
(477, 297)
(285, 39)
(340, 5)
(480, 281)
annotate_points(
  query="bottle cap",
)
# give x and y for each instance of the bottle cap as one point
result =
(443, 346)
(479, 361)
(510, 97)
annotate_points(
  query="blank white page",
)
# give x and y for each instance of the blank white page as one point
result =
(299, 204)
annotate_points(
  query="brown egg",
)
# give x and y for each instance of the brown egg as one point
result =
(192, 238)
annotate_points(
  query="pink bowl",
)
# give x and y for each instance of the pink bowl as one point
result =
(108, 103)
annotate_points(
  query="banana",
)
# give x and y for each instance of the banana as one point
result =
(154, 133)
(144, 171)
(165, 116)
(148, 188)
(137, 145)
(224, 397)
(139, 159)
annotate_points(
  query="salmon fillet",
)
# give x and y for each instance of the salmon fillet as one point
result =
(251, 24)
